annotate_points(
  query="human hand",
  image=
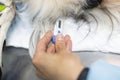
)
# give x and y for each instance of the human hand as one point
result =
(56, 61)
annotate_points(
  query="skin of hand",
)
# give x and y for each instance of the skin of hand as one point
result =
(56, 61)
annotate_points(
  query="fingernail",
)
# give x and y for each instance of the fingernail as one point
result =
(59, 37)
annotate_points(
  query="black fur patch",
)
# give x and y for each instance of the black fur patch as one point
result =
(92, 3)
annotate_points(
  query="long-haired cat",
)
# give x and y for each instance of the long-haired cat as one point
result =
(43, 15)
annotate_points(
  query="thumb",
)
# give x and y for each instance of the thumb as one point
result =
(60, 43)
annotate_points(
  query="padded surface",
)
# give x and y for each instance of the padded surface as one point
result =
(17, 62)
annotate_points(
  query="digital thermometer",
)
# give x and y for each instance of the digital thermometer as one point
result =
(57, 30)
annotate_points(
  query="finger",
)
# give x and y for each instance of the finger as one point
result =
(43, 43)
(68, 42)
(67, 38)
(69, 45)
(51, 48)
(60, 43)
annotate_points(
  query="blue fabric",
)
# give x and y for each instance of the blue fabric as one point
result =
(53, 39)
(101, 70)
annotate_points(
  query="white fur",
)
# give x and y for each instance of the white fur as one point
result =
(50, 11)
(5, 21)
(44, 13)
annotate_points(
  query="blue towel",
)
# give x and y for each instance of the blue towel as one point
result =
(101, 70)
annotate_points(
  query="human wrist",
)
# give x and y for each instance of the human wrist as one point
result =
(83, 75)
(67, 75)
(77, 73)
(72, 75)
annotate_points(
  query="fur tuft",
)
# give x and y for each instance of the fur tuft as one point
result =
(44, 13)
